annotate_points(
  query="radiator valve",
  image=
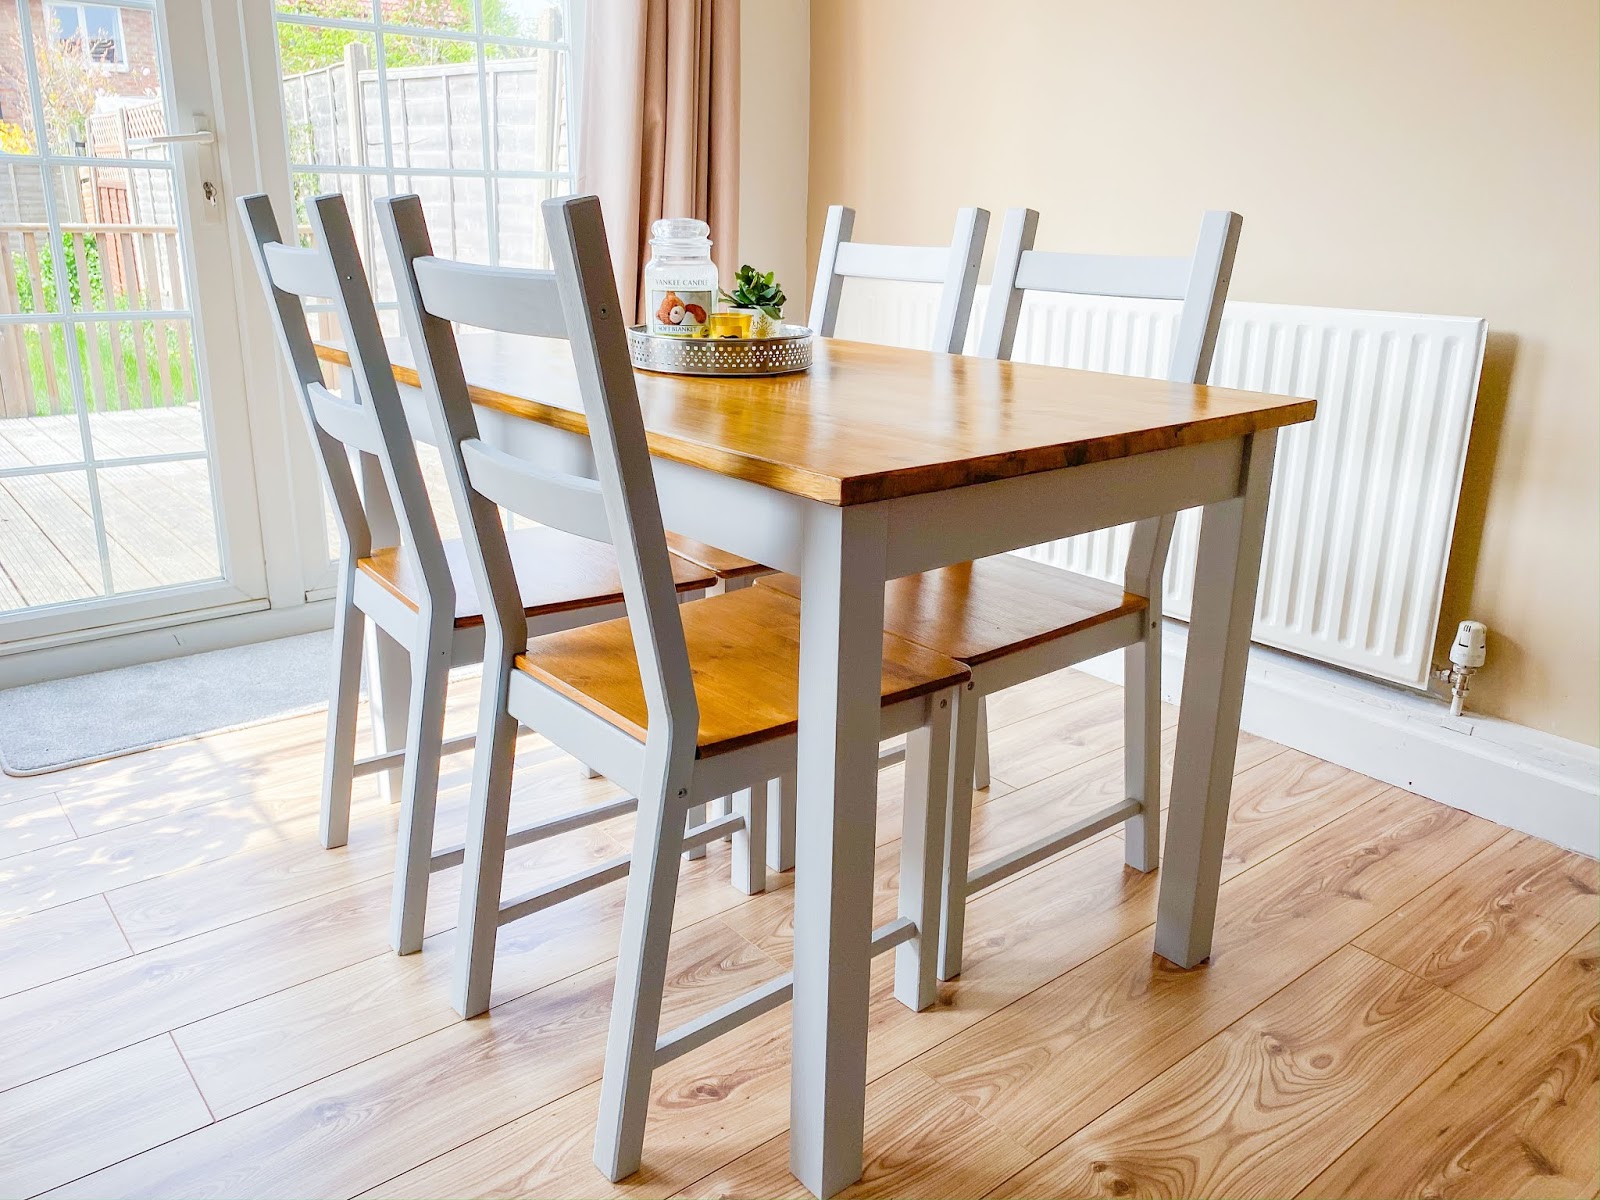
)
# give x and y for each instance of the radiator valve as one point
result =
(1467, 654)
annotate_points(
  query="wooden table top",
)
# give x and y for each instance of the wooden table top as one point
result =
(870, 423)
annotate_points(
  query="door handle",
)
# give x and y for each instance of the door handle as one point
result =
(202, 137)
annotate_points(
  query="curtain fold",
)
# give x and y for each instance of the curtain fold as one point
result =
(659, 125)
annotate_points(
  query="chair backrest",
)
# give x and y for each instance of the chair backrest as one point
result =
(577, 301)
(372, 422)
(1200, 281)
(953, 267)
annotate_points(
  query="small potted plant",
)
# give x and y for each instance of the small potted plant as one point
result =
(761, 297)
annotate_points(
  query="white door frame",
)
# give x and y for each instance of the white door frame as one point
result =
(186, 81)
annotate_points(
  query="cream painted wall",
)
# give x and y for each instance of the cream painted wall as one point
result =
(1429, 156)
(774, 110)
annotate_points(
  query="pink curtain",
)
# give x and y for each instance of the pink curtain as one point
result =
(659, 125)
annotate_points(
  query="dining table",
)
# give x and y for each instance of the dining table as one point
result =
(879, 462)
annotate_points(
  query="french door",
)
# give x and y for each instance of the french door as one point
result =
(127, 490)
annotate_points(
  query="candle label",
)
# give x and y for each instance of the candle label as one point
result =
(678, 312)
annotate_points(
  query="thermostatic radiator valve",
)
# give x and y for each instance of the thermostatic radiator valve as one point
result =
(1467, 654)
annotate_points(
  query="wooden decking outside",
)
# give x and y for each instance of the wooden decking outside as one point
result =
(160, 525)
(198, 1000)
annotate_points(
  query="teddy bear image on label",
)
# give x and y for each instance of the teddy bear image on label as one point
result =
(676, 315)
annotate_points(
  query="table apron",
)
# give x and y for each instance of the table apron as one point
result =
(940, 528)
(926, 531)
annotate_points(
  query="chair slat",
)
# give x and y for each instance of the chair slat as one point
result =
(903, 264)
(1104, 275)
(352, 424)
(506, 299)
(567, 502)
(300, 271)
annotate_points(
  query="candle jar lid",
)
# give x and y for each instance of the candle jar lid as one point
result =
(681, 235)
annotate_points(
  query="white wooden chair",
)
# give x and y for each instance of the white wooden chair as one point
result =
(678, 703)
(1011, 620)
(954, 268)
(419, 594)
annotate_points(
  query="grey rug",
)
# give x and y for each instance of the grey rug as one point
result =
(66, 722)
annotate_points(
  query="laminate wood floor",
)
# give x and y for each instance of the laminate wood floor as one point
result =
(198, 1000)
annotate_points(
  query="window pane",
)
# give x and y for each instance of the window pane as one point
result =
(64, 23)
(93, 107)
(428, 14)
(521, 224)
(356, 10)
(48, 553)
(16, 112)
(524, 18)
(324, 70)
(457, 213)
(140, 386)
(434, 115)
(38, 414)
(103, 33)
(528, 108)
(161, 526)
(29, 281)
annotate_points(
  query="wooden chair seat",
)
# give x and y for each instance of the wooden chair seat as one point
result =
(979, 611)
(556, 571)
(720, 562)
(744, 650)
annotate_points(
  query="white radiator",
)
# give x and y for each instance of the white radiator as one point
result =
(1363, 498)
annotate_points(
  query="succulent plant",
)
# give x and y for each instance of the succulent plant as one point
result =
(752, 289)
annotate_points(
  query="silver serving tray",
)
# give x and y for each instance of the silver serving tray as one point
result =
(787, 351)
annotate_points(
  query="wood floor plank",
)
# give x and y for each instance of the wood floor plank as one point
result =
(1036, 747)
(1512, 1114)
(1280, 800)
(426, 1097)
(923, 1143)
(104, 1009)
(92, 1115)
(1259, 1109)
(1039, 695)
(712, 1106)
(1487, 930)
(270, 872)
(1048, 1065)
(33, 824)
(264, 1048)
(58, 942)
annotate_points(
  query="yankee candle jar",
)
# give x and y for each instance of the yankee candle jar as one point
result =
(680, 279)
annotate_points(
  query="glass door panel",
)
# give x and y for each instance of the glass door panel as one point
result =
(108, 447)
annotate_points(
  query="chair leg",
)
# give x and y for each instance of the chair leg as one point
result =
(641, 980)
(338, 765)
(780, 822)
(958, 834)
(1141, 723)
(922, 846)
(697, 816)
(488, 811)
(389, 699)
(430, 675)
(750, 842)
(980, 753)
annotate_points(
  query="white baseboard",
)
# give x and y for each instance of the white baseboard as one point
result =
(130, 647)
(1531, 781)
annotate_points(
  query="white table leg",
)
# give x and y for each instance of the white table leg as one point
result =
(1227, 569)
(841, 660)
